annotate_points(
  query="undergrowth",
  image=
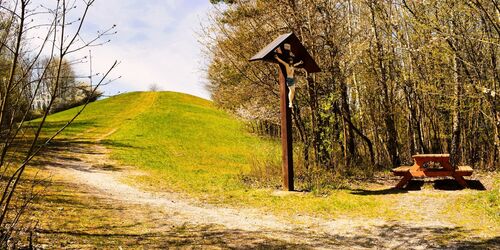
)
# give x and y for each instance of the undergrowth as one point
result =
(267, 173)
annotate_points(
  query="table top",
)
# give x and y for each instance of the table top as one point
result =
(431, 156)
(421, 159)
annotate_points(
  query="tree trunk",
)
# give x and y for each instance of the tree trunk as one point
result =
(455, 138)
(391, 133)
(346, 113)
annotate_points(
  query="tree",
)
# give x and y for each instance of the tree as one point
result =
(399, 77)
(25, 72)
(154, 87)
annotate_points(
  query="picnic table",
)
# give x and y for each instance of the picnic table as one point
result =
(423, 167)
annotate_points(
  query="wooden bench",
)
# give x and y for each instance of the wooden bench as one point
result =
(464, 170)
(418, 169)
(401, 170)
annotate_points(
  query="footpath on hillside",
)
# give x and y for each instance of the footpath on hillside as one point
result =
(94, 206)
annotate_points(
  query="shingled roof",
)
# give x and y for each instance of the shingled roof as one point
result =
(267, 53)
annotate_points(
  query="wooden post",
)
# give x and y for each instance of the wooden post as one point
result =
(286, 132)
(268, 54)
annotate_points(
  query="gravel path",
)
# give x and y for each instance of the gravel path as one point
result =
(88, 168)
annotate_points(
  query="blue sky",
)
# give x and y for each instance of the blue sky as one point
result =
(156, 43)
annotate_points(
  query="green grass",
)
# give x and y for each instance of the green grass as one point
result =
(188, 146)
(101, 117)
(479, 208)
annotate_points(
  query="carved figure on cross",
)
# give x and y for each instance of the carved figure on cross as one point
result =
(290, 67)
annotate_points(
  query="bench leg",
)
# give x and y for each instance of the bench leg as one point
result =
(460, 179)
(404, 181)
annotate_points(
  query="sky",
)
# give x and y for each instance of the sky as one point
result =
(156, 43)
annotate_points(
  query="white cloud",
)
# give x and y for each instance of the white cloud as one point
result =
(156, 44)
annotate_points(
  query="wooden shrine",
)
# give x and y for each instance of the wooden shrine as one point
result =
(289, 46)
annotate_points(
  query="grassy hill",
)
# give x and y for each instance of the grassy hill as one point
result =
(188, 146)
(184, 144)
(184, 139)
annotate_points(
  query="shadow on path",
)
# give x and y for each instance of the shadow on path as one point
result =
(394, 236)
(416, 185)
(77, 219)
(86, 156)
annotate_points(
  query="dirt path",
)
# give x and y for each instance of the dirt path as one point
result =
(91, 169)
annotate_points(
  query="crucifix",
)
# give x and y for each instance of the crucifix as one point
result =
(289, 53)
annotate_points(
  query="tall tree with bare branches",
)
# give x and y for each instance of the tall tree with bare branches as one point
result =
(25, 69)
